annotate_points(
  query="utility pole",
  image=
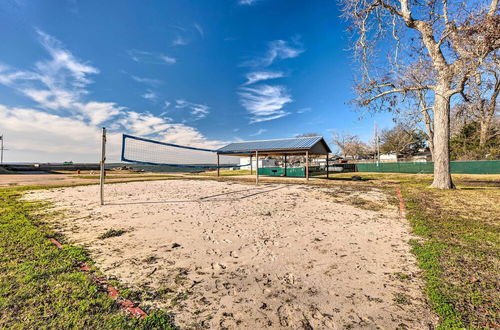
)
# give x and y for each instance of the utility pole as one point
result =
(378, 150)
(377, 143)
(102, 172)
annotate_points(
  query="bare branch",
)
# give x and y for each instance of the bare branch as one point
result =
(493, 7)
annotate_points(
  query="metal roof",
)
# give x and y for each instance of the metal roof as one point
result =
(299, 144)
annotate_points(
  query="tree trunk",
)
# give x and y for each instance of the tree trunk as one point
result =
(430, 132)
(485, 129)
(441, 156)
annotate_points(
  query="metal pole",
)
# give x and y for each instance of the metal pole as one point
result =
(218, 165)
(251, 165)
(307, 165)
(102, 172)
(378, 150)
(1, 148)
(257, 167)
(327, 166)
(285, 164)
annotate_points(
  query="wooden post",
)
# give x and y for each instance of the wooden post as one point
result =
(218, 165)
(102, 172)
(285, 164)
(327, 166)
(251, 165)
(307, 165)
(257, 167)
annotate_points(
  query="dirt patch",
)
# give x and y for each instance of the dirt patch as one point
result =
(228, 255)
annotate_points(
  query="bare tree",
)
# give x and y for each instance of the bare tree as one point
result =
(482, 94)
(402, 139)
(449, 39)
(343, 141)
(310, 134)
(349, 145)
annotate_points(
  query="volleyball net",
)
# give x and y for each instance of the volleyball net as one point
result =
(151, 152)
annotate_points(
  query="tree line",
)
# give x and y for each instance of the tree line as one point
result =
(465, 142)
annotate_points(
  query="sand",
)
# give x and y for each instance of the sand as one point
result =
(230, 255)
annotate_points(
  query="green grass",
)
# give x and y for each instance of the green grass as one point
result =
(40, 287)
(112, 233)
(401, 299)
(458, 251)
(365, 204)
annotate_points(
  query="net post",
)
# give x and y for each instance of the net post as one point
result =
(218, 165)
(307, 165)
(1, 150)
(327, 166)
(102, 171)
(251, 165)
(257, 167)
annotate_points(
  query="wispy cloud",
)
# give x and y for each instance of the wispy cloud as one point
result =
(276, 50)
(62, 60)
(198, 111)
(199, 29)
(168, 59)
(265, 102)
(55, 83)
(303, 110)
(147, 81)
(247, 2)
(150, 95)
(142, 56)
(253, 77)
(180, 41)
(259, 132)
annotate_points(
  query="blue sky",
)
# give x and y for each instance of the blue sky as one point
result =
(198, 73)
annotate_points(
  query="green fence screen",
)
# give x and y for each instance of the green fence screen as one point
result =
(279, 171)
(457, 167)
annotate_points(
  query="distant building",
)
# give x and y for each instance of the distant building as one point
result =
(263, 163)
(389, 158)
(422, 157)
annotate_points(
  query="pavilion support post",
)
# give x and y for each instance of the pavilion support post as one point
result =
(307, 165)
(251, 165)
(327, 166)
(285, 164)
(218, 164)
(257, 167)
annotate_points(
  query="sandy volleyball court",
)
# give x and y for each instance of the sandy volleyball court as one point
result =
(228, 255)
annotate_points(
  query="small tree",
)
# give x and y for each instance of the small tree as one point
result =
(401, 140)
(349, 145)
(465, 143)
(343, 141)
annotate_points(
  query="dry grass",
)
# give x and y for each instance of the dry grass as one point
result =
(460, 253)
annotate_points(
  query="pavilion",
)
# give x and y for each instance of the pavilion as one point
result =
(307, 146)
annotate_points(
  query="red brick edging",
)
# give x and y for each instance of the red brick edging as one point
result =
(125, 305)
(402, 209)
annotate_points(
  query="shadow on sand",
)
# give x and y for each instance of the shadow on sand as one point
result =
(246, 193)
